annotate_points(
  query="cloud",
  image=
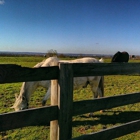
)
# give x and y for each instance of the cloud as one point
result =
(2, 2)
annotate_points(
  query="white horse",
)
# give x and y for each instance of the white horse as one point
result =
(29, 87)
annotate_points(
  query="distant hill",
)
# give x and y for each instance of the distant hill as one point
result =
(4, 53)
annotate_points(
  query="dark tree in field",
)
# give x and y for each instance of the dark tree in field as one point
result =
(120, 57)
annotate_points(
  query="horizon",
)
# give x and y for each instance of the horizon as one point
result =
(80, 27)
(46, 53)
(35, 53)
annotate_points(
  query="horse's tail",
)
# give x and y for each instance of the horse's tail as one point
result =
(101, 60)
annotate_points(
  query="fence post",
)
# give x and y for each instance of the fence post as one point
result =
(54, 101)
(65, 101)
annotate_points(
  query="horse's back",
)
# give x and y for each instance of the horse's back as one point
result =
(51, 61)
(85, 60)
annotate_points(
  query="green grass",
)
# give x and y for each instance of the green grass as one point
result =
(82, 124)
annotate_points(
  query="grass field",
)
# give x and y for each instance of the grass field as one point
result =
(82, 124)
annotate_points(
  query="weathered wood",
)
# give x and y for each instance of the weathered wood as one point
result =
(95, 69)
(31, 117)
(54, 101)
(13, 73)
(113, 132)
(86, 106)
(65, 101)
(10, 73)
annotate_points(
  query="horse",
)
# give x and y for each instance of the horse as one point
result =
(27, 88)
(120, 57)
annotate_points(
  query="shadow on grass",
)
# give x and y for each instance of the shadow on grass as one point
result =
(108, 117)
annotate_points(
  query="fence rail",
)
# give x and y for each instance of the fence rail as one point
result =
(10, 73)
(32, 117)
(82, 107)
(113, 132)
(62, 82)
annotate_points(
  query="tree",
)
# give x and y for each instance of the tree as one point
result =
(51, 53)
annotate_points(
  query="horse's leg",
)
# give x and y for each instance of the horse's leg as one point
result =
(47, 96)
(100, 89)
(86, 84)
(97, 88)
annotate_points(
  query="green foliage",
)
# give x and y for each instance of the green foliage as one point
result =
(51, 53)
(82, 124)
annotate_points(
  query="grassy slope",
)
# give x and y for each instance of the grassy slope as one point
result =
(114, 85)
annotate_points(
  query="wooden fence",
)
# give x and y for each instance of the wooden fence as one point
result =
(62, 106)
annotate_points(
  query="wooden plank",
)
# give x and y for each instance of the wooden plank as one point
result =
(54, 101)
(86, 106)
(94, 69)
(113, 132)
(65, 102)
(13, 73)
(31, 117)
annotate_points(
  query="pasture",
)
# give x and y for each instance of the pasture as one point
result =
(114, 85)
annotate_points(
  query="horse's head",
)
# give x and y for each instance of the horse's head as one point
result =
(26, 90)
(21, 103)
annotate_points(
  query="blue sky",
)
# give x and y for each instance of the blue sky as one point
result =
(70, 26)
